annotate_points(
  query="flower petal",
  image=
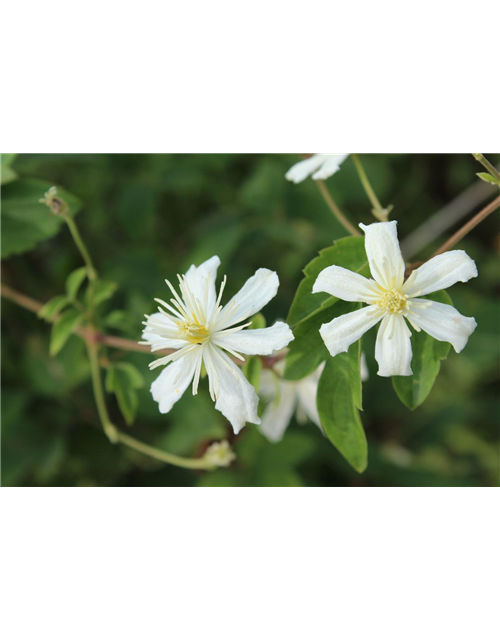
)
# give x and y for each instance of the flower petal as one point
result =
(341, 332)
(304, 168)
(384, 255)
(152, 333)
(443, 322)
(278, 413)
(393, 347)
(346, 285)
(307, 390)
(440, 272)
(236, 398)
(256, 341)
(330, 166)
(174, 380)
(198, 278)
(255, 294)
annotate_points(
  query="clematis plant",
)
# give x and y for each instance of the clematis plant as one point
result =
(394, 302)
(202, 331)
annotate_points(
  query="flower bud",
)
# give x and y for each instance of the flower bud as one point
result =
(219, 454)
(57, 205)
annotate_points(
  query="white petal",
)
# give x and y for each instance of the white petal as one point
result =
(330, 166)
(440, 272)
(304, 168)
(255, 294)
(256, 341)
(307, 390)
(237, 399)
(174, 380)
(384, 255)
(341, 332)
(393, 347)
(278, 413)
(445, 323)
(346, 285)
(150, 334)
(199, 278)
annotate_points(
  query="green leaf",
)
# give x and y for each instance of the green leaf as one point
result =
(74, 281)
(101, 290)
(54, 306)
(252, 370)
(25, 221)
(307, 351)
(486, 177)
(346, 252)
(135, 377)
(425, 363)
(338, 400)
(258, 321)
(62, 328)
(123, 384)
(7, 174)
(118, 319)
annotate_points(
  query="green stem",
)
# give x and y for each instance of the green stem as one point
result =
(378, 211)
(487, 165)
(109, 428)
(91, 272)
(115, 435)
(163, 456)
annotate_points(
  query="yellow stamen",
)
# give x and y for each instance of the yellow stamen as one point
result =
(393, 301)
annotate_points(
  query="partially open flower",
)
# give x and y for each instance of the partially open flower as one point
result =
(219, 454)
(392, 301)
(320, 165)
(201, 331)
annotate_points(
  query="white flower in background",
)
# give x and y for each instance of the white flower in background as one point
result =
(320, 165)
(391, 300)
(201, 331)
(288, 396)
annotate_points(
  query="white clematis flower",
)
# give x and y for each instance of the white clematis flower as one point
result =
(287, 397)
(320, 165)
(390, 300)
(202, 331)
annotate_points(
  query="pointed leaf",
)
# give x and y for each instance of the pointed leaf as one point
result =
(135, 377)
(487, 177)
(74, 281)
(7, 174)
(101, 290)
(338, 399)
(54, 306)
(62, 328)
(120, 381)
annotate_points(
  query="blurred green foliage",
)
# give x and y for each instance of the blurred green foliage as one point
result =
(146, 218)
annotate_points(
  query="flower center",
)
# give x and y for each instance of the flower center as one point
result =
(393, 301)
(193, 331)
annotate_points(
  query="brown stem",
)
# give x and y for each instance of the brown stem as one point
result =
(467, 228)
(461, 233)
(335, 209)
